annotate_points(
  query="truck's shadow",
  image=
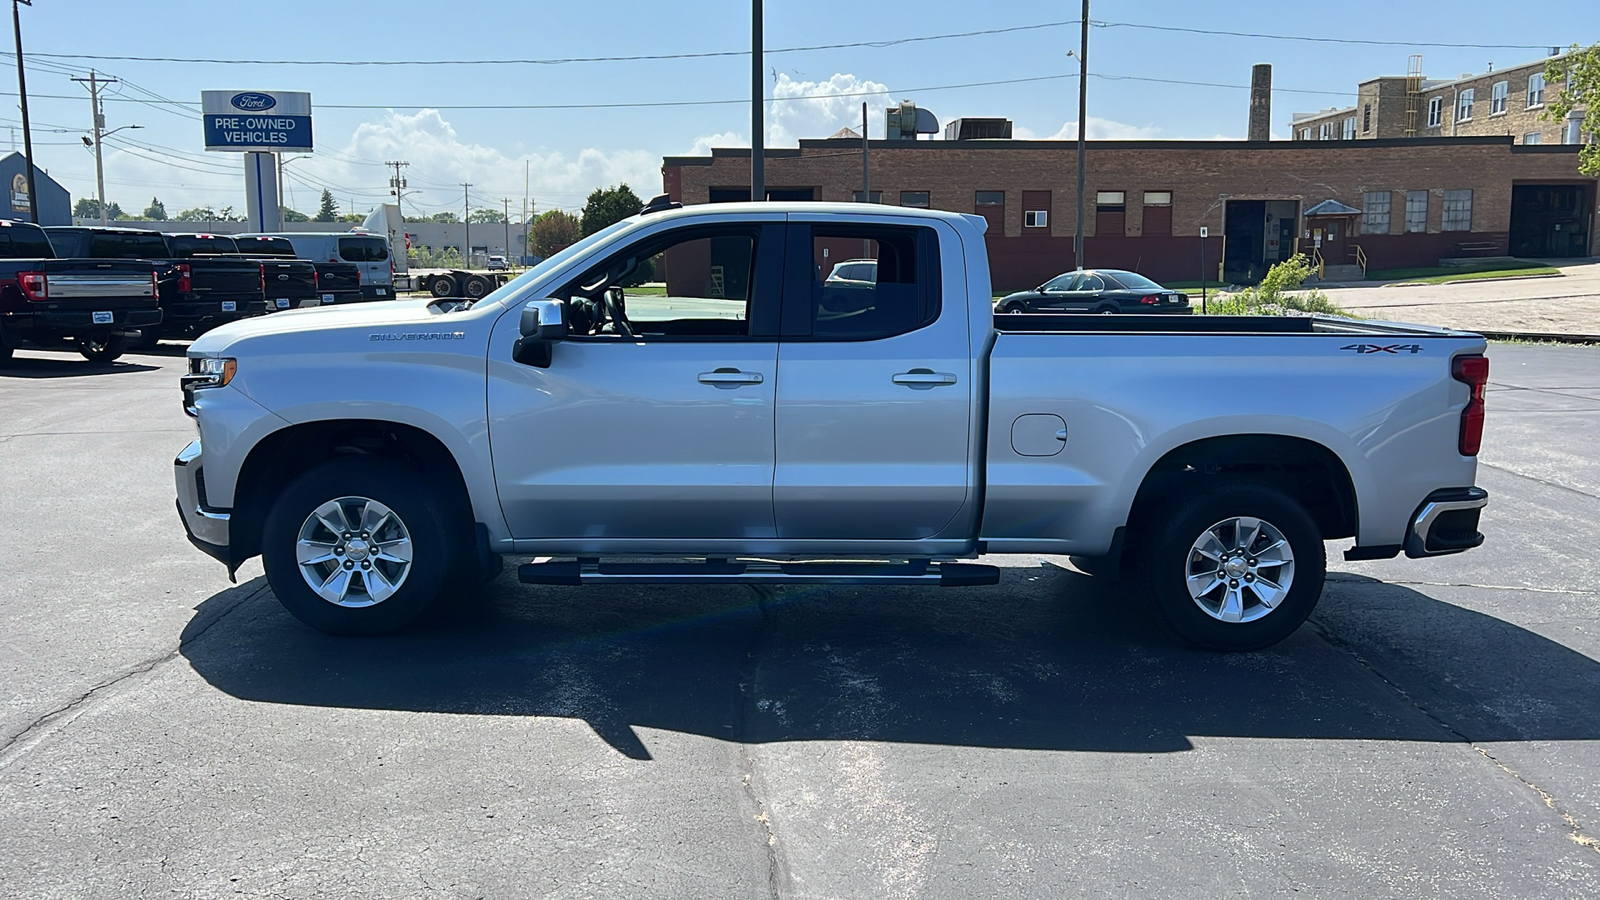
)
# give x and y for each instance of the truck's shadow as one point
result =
(1050, 660)
(23, 365)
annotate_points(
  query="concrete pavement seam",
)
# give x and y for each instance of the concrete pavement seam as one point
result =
(1575, 832)
(1465, 584)
(14, 747)
(1563, 487)
(747, 683)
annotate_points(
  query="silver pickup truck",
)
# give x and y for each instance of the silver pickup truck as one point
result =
(686, 397)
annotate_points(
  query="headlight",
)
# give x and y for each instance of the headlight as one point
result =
(206, 372)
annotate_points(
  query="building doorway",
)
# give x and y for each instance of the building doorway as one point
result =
(1259, 234)
(1551, 220)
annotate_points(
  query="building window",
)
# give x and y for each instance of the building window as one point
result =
(1435, 111)
(1350, 129)
(1573, 133)
(1157, 198)
(1464, 105)
(992, 206)
(1416, 212)
(1533, 137)
(1104, 199)
(877, 197)
(1157, 216)
(1035, 218)
(1375, 212)
(1305, 134)
(1457, 211)
(1497, 97)
(1535, 90)
(1110, 213)
(989, 198)
(1366, 118)
(1325, 131)
(918, 199)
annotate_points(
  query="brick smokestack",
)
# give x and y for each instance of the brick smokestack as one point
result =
(1261, 102)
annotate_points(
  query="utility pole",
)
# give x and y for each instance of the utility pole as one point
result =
(466, 221)
(99, 119)
(758, 150)
(507, 202)
(27, 132)
(397, 184)
(866, 177)
(1083, 119)
(526, 237)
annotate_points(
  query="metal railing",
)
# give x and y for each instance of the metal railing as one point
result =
(1361, 260)
(1319, 262)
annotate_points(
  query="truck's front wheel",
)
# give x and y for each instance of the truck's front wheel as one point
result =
(1237, 567)
(359, 546)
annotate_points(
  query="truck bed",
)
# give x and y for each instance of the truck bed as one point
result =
(1094, 324)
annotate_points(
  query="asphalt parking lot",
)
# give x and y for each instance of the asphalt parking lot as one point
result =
(1433, 731)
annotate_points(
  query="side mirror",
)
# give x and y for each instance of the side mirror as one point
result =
(543, 323)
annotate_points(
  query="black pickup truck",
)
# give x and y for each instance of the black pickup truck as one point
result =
(289, 283)
(48, 302)
(337, 282)
(197, 293)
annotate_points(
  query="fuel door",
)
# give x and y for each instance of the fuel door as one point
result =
(1038, 434)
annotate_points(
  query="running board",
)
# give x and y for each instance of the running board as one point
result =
(579, 572)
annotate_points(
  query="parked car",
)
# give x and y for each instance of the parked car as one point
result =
(288, 283)
(197, 292)
(97, 306)
(784, 445)
(498, 264)
(370, 252)
(1104, 291)
(854, 272)
(332, 282)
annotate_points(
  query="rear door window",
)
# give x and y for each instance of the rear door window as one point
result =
(206, 244)
(895, 293)
(112, 245)
(363, 249)
(24, 243)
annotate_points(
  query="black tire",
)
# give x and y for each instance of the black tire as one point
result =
(477, 286)
(1165, 560)
(437, 548)
(443, 286)
(1014, 308)
(103, 349)
(1105, 311)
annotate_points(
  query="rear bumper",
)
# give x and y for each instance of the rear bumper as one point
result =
(377, 291)
(1446, 522)
(47, 324)
(213, 311)
(207, 528)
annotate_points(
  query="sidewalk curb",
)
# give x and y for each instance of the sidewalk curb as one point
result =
(1547, 337)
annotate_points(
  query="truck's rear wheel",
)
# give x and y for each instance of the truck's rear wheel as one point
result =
(1237, 567)
(103, 348)
(477, 286)
(442, 286)
(359, 546)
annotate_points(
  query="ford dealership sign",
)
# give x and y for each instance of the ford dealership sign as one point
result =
(250, 102)
(256, 120)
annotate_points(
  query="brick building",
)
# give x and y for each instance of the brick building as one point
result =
(1503, 102)
(1398, 202)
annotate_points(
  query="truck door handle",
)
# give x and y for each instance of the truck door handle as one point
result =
(924, 378)
(729, 377)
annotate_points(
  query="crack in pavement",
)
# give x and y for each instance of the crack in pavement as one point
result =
(1575, 832)
(1364, 580)
(1537, 480)
(749, 671)
(37, 730)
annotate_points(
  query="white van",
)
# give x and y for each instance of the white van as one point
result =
(368, 251)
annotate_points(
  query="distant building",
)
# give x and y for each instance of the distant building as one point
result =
(55, 204)
(1502, 102)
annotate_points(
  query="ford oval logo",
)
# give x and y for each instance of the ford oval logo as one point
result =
(253, 102)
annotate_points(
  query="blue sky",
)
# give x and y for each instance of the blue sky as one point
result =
(569, 152)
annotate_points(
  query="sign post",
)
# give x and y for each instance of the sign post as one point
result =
(261, 125)
(1204, 232)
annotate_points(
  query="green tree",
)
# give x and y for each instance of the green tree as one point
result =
(352, 217)
(609, 206)
(1582, 67)
(327, 211)
(487, 215)
(156, 210)
(197, 214)
(294, 215)
(553, 231)
(449, 218)
(86, 208)
(114, 212)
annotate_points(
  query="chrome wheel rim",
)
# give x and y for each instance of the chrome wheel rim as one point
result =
(1240, 569)
(354, 552)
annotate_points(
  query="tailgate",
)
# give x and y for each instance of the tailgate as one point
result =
(288, 281)
(90, 279)
(224, 277)
(338, 277)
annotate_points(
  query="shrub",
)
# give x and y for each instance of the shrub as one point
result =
(1272, 298)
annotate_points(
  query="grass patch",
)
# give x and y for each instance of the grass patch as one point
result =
(1481, 274)
(1450, 273)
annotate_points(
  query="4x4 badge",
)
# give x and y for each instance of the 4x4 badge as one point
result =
(1383, 348)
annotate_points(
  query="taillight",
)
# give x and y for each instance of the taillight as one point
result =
(1474, 372)
(34, 286)
(155, 284)
(263, 279)
(358, 276)
(1150, 300)
(185, 283)
(316, 281)
(391, 268)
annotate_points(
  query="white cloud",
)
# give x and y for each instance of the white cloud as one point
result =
(829, 106)
(1111, 130)
(704, 144)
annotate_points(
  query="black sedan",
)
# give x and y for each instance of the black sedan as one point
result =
(1106, 291)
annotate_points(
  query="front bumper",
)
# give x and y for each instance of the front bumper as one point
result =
(1446, 522)
(207, 528)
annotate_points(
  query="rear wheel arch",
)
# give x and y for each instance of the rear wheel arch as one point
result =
(1306, 471)
(284, 455)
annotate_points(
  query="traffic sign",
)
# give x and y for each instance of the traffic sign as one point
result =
(241, 121)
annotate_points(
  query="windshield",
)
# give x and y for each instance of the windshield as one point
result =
(1135, 282)
(557, 260)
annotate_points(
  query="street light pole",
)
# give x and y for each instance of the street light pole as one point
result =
(466, 221)
(1083, 99)
(758, 150)
(27, 132)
